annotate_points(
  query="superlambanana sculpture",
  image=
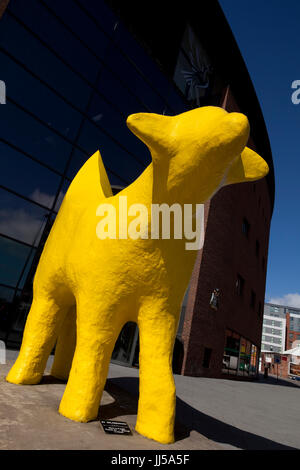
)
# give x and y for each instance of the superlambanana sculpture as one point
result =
(86, 289)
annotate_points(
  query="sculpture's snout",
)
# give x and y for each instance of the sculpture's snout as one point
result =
(240, 123)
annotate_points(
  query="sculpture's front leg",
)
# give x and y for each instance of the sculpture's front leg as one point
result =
(156, 409)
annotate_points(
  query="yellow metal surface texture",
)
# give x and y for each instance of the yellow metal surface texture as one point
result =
(85, 289)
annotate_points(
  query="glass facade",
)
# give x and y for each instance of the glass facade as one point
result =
(240, 356)
(73, 74)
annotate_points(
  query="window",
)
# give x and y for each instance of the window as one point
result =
(206, 357)
(240, 355)
(239, 285)
(245, 227)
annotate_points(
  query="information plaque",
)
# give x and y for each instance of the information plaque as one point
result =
(115, 427)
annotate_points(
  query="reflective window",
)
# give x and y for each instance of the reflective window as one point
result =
(81, 24)
(111, 87)
(78, 160)
(101, 13)
(245, 357)
(240, 355)
(36, 97)
(26, 133)
(114, 123)
(30, 52)
(13, 257)
(27, 177)
(114, 158)
(43, 23)
(231, 353)
(6, 297)
(146, 66)
(127, 73)
(125, 345)
(20, 219)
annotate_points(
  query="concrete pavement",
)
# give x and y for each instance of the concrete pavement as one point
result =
(211, 414)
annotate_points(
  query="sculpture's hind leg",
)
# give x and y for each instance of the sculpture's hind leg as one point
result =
(156, 408)
(44, 320)
(65, 346)
(97, 328)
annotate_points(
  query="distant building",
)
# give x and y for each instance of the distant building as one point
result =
(281, 332)
(274, 329)
(281, 327)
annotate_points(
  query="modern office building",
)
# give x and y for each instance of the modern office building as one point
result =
(274, 329)
(74, 70)
(281, 332)
(281, 327)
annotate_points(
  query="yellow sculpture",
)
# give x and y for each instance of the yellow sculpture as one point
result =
(85, 289)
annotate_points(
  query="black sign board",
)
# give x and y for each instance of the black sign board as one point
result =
(115, 427)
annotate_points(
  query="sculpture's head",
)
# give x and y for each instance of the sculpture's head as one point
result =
(198, 151)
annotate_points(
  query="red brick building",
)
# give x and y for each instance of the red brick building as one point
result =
(233, 259)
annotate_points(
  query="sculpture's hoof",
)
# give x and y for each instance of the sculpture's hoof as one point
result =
(151, 433)
(23, 377)
(75, 414)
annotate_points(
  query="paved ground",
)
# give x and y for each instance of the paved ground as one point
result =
(211, 414)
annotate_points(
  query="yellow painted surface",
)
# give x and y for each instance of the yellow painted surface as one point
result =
(102, 284)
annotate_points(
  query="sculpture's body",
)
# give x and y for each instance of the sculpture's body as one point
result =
(105, 283)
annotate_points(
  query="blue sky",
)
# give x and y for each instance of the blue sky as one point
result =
(268, 35)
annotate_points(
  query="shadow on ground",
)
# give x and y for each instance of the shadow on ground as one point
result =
(272, 380)
(187, 419)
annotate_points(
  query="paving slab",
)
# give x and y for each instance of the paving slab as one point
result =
(211, 414)
(29, 419)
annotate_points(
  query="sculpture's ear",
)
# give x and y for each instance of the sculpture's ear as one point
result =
(249, 166)
(152, 129)
(90, 182)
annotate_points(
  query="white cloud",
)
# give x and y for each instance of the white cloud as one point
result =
(290, 300)
(47, 199)
(42, 198)
(22, 225)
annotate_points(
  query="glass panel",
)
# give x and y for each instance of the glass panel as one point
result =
(29, 135)
(20, 219)
(78, 160)
(28, 268)
(122, 349)
(245, 356)
(6, 297)
(113, 156)
(118, 94)
(63, 42)
(22, 45)
(37, 98)
(80, 23)
(123, 69)
(253, 361)
(231, 353)
(141, 59)
(14, 166)
(102, 14)
(13, 256)
(113, 122)
(61, 194)
(176, 102)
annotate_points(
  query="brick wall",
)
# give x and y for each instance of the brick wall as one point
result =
(226, 253)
